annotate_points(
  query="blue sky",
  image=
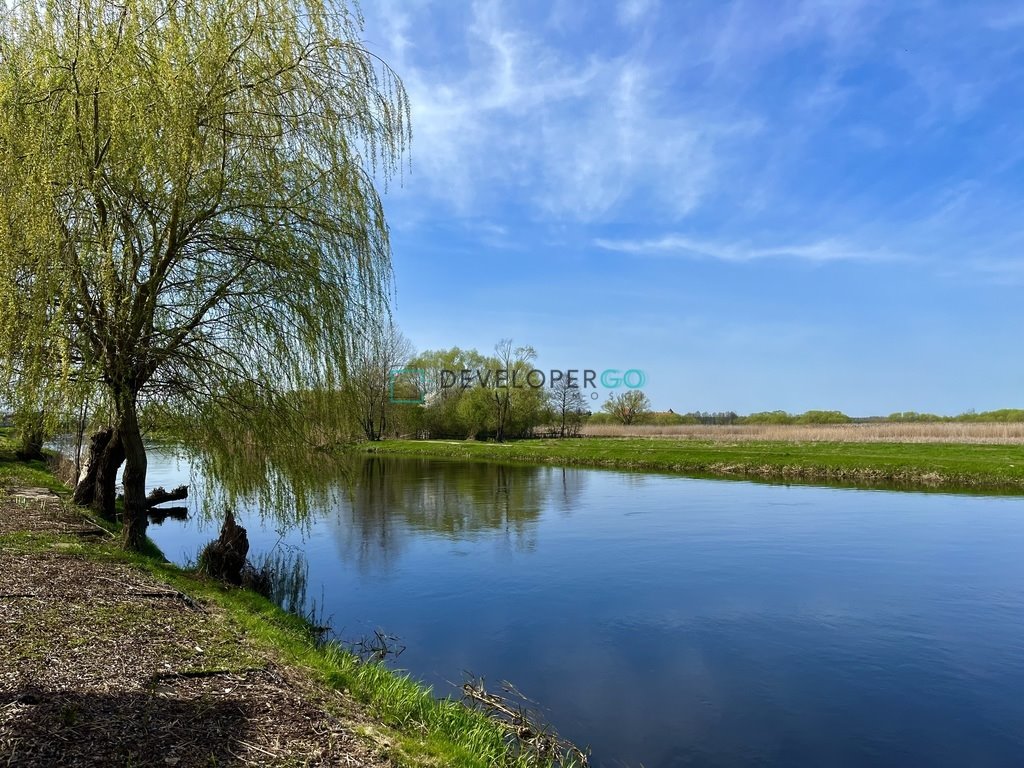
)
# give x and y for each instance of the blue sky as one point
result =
(762, 205)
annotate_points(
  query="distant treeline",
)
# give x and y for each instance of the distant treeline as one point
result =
(669, 418)
(1003, 414)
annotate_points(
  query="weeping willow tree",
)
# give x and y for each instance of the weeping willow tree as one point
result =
(189, 211)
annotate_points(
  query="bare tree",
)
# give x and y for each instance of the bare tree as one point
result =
(510, 378)
(568, 406)
(378, 355)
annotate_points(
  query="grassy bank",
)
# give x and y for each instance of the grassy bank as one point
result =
(979, 467)
(94, 632)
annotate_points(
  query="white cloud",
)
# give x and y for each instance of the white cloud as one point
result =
(738, 119)
(749, 33)
(568, 136)
(632, 11)
(820, 251)
(623, 149)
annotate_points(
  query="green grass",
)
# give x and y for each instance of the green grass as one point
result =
(15, 472)
(959, 467)
(415, 728)
(419, 729)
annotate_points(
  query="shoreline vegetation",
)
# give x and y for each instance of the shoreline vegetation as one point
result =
(969, 467)
(225, 676)
(960, 432)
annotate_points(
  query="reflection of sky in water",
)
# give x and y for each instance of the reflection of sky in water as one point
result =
(672, 621)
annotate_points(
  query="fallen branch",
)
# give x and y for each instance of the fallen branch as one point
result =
(161, 495)
(135, 592)
(524, 727)
(201, 673)
(377, 648)
(98, 529)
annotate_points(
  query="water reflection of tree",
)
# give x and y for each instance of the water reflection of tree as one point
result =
(567, 488)
(289, 577)
(393, 499)
(375, 505)
(283, 482)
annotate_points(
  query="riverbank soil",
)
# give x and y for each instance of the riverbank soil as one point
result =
(101, 664)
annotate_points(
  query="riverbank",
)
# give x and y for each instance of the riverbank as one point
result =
(108, 658)
(953, 467)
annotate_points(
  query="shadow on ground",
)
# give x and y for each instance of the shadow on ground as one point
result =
(129, 729)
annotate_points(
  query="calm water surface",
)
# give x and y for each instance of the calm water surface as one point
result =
(667, 621)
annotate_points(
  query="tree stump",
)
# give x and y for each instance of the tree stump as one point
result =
(224, 557)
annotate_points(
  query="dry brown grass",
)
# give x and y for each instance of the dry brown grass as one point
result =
(957, 432)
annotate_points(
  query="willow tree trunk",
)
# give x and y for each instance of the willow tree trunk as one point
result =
(111, 458)
(85, 483)
(134, 478)
(95, 487)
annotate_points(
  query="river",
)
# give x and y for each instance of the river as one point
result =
(668, 621)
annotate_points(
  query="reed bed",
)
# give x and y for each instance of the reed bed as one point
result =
(994, 433)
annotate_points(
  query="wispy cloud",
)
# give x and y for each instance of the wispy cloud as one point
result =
(744, 35)
(825, 123)
(820, 252)
(632, 11)
(569, 136)
(1008, 270)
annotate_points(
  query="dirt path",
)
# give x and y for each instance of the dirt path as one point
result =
(101, 665)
